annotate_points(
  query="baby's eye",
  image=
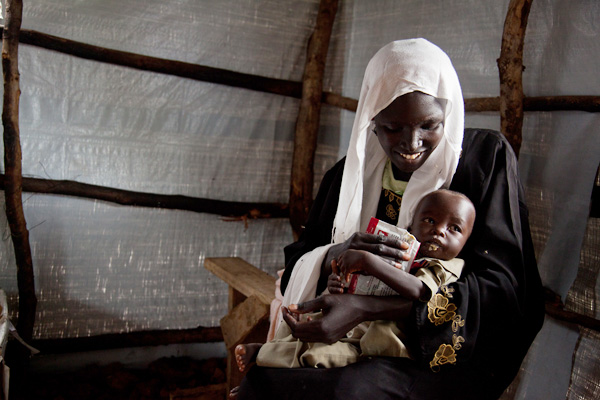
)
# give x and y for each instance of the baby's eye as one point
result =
(456, 228)
(429, 220)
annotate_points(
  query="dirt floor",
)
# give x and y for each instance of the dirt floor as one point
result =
(170, 378)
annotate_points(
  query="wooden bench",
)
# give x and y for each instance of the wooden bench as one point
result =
(251, 292)
(4, 331)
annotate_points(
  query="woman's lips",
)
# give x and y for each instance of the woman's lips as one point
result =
(411, 156)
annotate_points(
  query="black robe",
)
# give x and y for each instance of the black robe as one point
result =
(470, 345)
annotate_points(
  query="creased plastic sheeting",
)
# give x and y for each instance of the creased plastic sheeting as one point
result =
(160, 134)
(102, 268)
(262, 37)
(151, 278)
(583, 298)
(172, 135)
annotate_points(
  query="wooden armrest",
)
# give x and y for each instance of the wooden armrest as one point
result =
(251, 292)
(243, 277)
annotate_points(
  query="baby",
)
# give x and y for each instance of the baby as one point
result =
(442, 223)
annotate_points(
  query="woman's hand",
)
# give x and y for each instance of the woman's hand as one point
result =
(340, 314)
(385, 246)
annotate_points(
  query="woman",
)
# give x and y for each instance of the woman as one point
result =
(469, 340)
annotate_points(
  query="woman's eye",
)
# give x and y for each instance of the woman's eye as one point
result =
(431, 127)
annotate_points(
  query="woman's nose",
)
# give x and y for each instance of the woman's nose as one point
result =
(412, 140)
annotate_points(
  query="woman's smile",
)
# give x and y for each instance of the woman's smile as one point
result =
(412, 156)
(409, 130)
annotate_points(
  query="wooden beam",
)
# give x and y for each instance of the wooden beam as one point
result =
(510, 67)
(541, 103)
(556, 309)
(177, 68)
(160, 65)
(126, 340)
(265, 84)
(562, 103)
(140, 199)
(307, 124)
(13, 168)
(339, 101)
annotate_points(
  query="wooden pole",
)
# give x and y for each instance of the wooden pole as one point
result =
(556, 309)
(307, 124)
(265, 84)
(541, 103)
(13, 168)
(139, 199)
(510, 67)
(176, 68)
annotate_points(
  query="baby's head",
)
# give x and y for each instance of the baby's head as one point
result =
(443, 222)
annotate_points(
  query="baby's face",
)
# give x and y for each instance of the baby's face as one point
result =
(442, 224)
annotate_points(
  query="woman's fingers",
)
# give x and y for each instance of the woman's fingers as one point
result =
(385, 246)
(307, 306)
(334, 267)
(389, 246)
(289, 318)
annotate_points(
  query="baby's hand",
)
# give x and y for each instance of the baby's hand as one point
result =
(334, 284)
(352, 261)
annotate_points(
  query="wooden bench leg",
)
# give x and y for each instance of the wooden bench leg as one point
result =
(246, 322)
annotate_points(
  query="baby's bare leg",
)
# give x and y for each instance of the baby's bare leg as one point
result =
(245, 355)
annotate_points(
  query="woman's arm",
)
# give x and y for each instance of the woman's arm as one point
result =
(490, 316)
(341, 313)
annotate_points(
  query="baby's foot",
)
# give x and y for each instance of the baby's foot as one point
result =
(245, 355)
(233, 393)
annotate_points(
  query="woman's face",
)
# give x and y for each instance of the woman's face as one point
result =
(409, 129)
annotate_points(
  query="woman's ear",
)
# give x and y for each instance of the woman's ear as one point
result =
(372, 127)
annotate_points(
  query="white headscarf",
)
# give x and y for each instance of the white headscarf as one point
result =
(398, 68)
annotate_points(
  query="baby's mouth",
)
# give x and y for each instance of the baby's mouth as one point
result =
(412, 156)
(433, 247)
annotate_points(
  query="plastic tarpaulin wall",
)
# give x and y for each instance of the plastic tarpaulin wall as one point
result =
(103, 268)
